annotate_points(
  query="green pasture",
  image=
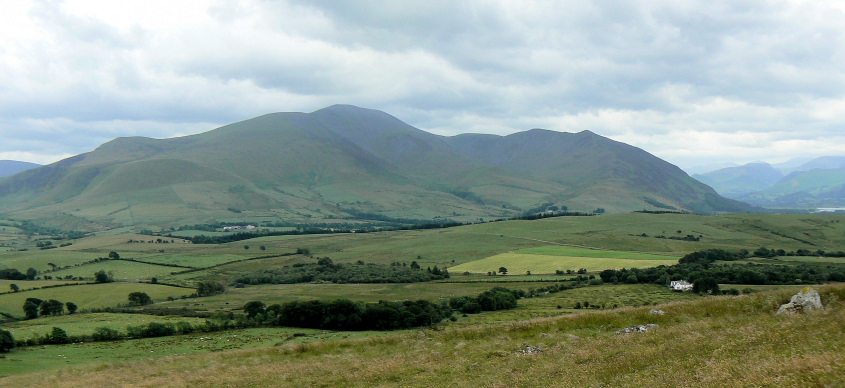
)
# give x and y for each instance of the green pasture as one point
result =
(193, 260)
(24, 285)
(90, 295)
(39, 259)
(228, 272)
(601, 297)
(548, 259)
(559, 250)
(48, 357)
(236, 298)
(120, 269)
(85, 324)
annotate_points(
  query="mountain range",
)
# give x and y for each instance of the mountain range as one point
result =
(811, 183)
(345, 162)
(11, 167)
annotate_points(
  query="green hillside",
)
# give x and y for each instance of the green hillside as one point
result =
(342, 162)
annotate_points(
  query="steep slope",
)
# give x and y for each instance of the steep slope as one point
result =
(340, 162)
(734, 182)
(11, 167)
(594, 167)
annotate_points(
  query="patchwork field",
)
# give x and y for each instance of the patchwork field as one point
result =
(90, 295)
(548, 259)
(79, 324)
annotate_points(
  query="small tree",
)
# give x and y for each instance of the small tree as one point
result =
(415, 265)
(102, 277)
(57, 336)
(14, 287)
(113, 255)
(51, 307)
(254, 308)
(71, 307)
(30, 309)
(707, 285)
(139, 299)
(210, 287)
(31, 274)
(503, 270)
(263, 248)
(7, 341)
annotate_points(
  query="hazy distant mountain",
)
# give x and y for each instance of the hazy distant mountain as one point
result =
(705, 168)
(11, 167)
(804, 189)
(734, 182)
(344, 162)
(824, 162)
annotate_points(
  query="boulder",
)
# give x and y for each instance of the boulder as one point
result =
(806, 300)
(656, 312)
(529, 350)
(637, 329)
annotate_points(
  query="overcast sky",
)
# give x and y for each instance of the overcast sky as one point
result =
(691, 82)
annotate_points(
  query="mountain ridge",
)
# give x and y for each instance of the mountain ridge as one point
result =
(343, 160)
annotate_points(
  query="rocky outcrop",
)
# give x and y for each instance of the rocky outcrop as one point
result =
(656, 312)
(806, 300)
(637, 329)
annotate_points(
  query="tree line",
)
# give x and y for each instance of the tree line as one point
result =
(701, 269)
(326, 270)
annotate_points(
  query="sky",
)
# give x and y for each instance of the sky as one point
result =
(694, 83)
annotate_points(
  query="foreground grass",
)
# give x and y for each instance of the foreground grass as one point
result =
(719, 341)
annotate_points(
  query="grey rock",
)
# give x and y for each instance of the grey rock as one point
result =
(806, 300)
(530, 350)
(637, 329)
(656, 312)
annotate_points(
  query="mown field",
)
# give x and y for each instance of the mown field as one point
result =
(549, 259)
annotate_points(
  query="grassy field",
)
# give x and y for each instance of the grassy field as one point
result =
(236, 298)
(24, 285)
(79, 324)
(540, 246)
(90, 295)
(120, 269)
(95, 354)
(548, 259)
(723, 341)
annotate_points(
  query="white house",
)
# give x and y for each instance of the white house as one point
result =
(680, 285)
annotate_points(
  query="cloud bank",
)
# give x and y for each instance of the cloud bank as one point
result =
(691, 82)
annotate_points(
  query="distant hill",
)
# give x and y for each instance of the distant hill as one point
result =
(804, 189)
(344, 162)
(735, 182)
(824, 162)
(11, 167)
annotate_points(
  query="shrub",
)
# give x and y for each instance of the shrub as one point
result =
(7, 341)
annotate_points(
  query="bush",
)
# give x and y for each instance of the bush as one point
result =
(208, 288)
(7, 341)
(139, 299)
(57, 336)
(106, 334)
